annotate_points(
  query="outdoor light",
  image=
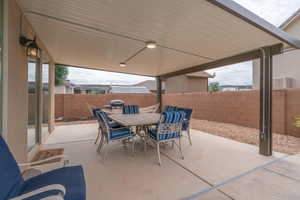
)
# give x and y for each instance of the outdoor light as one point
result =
(122, 64)
(32, 49)
(151, 44)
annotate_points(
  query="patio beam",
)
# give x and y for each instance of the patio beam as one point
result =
(265, 120)
(250, 55)
(158, 92)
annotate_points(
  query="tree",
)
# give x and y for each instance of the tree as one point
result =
(61, 74)
(213, 87)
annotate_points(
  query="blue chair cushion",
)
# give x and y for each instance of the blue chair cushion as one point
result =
(185, 125)
(131, 109)
(72, 178)
(115, 125)
(120, 133)
(11, 179)
(170, 108)
(153, 134)
(188, 112)
(96, 110)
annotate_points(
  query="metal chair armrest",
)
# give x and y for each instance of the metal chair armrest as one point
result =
(60, 188)
(66, 161)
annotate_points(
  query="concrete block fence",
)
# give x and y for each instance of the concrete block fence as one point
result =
(241, 108)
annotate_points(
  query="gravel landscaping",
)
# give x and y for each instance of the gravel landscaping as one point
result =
(281, 143)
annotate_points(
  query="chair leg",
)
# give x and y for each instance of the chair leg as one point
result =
(145, 144)
(180, 149)
(133, 146)
(99, 133)
(189, 135)
(100, 144)
(158, 153)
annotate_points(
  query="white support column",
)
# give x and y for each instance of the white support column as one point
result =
(51, 113)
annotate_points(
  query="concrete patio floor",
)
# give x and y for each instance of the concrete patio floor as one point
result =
(209, 161)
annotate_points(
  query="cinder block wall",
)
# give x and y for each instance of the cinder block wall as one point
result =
(241, 108)
(71, 106)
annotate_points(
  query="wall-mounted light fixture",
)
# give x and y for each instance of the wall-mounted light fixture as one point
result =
(32, 49)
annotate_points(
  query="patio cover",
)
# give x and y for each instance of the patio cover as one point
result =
(100, 34)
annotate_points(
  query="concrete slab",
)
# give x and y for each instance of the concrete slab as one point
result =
(289, 167)
(263, 185)
(216, 158)
(124, 176)
(73, 133)
(211, 158)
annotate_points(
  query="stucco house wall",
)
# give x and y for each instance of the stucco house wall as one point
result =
(15, 81)
(284, 65)
(186, 84)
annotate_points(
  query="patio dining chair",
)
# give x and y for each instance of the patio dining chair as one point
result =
(186, 122)
(110, 134)
(66, 183)
(91, 108)
(112, 124)
(168, 130)
(170, 108)
(131, 109)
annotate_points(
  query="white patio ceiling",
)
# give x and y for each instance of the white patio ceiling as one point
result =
(102, 33)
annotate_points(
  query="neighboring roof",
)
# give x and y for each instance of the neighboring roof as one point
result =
(128, 89)
(100, 34)
(291, 19)
(92, 87)
(235, 86)
(202, 74)
(150, 84)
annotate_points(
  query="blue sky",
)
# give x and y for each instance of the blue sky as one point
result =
(274, 11)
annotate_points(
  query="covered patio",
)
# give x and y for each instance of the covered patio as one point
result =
(213, 168)
(161, 39)
(158, 42)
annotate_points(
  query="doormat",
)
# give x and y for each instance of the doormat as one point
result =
(47, 153)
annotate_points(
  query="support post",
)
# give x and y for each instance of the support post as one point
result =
(51, 108)
(158, 92)
(265, 122)
(39, 93)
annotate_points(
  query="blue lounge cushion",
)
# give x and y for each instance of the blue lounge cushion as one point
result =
(11, 179)
(72, 178)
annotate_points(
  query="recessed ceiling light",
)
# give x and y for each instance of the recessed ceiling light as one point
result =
(151, 44)
(122, 64)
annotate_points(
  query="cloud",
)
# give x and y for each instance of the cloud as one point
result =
(89, 76)
(274, 11)
(237, 74)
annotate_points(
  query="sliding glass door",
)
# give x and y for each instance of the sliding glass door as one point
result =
(32, 127)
